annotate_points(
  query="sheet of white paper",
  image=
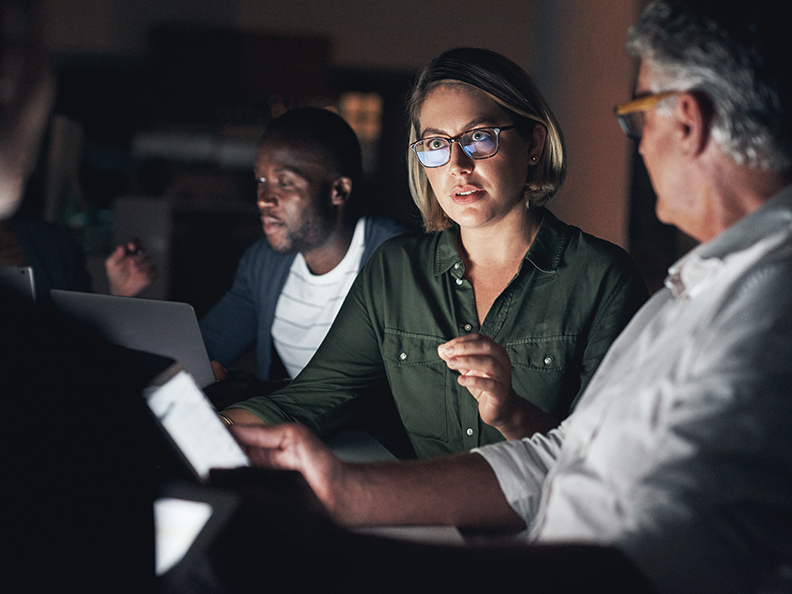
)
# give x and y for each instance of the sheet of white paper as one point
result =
(189, 418)
(178, 523)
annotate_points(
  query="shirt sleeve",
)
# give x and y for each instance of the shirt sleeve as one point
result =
(624, 294)
(521, 468)
(230, 327)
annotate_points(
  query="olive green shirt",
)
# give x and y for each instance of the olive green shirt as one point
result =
(570, 298)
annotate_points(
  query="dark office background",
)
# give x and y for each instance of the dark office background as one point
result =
(160, 103)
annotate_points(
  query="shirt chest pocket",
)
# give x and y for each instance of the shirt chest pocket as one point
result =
(418, 378)
(544, 371)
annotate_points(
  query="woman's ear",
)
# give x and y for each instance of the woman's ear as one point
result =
(537, 143)
(341, 189)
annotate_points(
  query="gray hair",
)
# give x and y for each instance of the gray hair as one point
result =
(738, 57)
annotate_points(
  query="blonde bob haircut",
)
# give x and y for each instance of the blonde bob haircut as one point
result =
(509, 86)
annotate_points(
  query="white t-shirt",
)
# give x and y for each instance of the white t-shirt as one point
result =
(309, 303)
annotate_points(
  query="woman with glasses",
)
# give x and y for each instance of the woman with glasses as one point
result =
(488, 326)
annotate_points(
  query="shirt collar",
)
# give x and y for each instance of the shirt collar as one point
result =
(545, 251)
(689, 275)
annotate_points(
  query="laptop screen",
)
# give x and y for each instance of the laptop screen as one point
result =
(167, 328)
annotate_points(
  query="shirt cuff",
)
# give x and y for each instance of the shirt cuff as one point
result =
(521, 468)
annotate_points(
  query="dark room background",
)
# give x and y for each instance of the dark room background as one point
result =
(160, 104)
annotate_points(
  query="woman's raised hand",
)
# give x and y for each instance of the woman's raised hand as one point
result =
(486, 371)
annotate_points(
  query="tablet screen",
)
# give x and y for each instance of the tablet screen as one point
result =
(192, 424)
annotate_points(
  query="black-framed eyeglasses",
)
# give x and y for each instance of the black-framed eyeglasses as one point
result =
(631, 113)
(479, 143)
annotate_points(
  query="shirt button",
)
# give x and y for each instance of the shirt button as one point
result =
(548, 360)
(403, 356)
(456, 266)
(459, 281)
(467, 327)
(469, 431)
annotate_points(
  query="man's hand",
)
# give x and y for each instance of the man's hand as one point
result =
(219, 371)
(129, 269)
(295, 447)
(486, 371)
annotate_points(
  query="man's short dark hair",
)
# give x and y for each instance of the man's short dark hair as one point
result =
(323, 130)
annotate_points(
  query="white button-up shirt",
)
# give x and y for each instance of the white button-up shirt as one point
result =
(680, 451)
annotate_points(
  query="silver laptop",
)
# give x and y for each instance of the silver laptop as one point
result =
(167, 328)
(19, 280)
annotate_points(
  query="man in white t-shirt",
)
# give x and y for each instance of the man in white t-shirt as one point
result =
(290, 284)
(674, 472)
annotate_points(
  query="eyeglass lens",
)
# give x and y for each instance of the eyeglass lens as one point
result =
(632, 124)
(477, 144)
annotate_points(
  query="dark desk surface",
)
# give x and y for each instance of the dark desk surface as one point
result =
(184, 511)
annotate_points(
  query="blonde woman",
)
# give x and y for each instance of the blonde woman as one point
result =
(488, 326)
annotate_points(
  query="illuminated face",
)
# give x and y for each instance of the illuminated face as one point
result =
(474, 192)
(293, 187)
(679, 199)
